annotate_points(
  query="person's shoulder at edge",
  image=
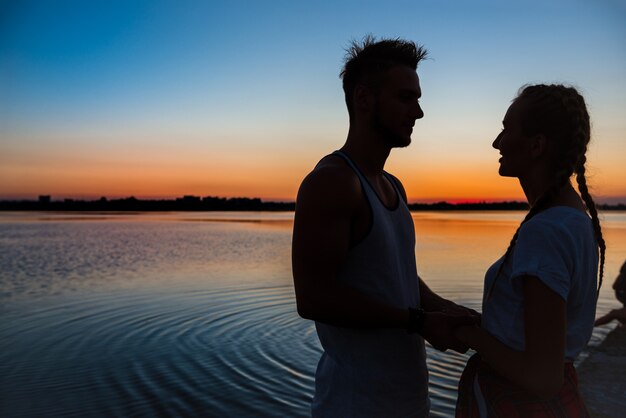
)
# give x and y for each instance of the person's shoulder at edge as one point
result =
(332, 184)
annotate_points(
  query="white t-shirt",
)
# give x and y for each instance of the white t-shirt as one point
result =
(559, 248)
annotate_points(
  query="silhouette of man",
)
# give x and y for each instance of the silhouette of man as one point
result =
(354, 251)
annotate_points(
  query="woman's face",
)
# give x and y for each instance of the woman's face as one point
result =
(515, 148)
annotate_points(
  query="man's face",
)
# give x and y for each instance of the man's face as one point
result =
(397, 106)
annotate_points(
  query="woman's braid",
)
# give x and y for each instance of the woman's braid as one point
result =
(575, 106)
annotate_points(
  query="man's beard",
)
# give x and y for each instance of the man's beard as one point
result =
(392, 139)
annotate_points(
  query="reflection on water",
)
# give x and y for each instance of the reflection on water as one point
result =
(220, 353)
(193, 314)
(44, 254)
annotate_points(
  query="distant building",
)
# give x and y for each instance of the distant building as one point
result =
(44, 199)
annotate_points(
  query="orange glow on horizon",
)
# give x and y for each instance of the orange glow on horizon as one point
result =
(74, 173)
(259, 180)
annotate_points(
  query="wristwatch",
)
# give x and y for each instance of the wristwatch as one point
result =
(416, 320)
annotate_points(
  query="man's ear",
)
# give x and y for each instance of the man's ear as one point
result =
(363, 98)
(539, 146)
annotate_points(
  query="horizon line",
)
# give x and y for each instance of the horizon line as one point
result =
(429, 201)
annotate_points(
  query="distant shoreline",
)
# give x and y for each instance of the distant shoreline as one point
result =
(210, 203)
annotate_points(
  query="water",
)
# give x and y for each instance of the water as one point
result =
(193, 314)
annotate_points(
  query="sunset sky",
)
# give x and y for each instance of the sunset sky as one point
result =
(242, 98)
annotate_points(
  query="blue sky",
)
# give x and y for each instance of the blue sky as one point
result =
(201, 88)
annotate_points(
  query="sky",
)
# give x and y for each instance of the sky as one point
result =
(160, 99)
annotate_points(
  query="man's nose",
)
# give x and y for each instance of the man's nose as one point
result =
(496, 142)
(419, 113)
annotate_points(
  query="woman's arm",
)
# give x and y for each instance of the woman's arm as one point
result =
(539, 368)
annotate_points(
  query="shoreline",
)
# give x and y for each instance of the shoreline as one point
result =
(602, 376)
(212, 203)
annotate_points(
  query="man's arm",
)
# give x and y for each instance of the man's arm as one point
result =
(326, 203)
(441, 315)
(431, 301)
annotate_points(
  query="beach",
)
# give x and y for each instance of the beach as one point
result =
(602, 376)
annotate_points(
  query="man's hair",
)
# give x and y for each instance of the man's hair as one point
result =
(366, 62)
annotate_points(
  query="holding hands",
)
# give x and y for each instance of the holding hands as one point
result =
(440, 326)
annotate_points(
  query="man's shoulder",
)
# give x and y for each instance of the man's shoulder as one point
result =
(333, 164)
(333, 181)
(333, 173)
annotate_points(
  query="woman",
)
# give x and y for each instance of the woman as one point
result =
(540, 297)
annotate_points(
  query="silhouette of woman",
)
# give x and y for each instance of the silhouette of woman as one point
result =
(540, 297)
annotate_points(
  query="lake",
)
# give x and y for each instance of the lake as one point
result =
(193, 314)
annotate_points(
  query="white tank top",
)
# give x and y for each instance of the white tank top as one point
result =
(375, 372)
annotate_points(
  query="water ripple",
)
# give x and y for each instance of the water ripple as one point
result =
(113, 318)
(187, 354)
(233, 352)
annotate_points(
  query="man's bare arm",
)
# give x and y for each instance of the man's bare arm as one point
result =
(326, 203)
(430, 301)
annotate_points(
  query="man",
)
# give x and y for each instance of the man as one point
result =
(354, 251)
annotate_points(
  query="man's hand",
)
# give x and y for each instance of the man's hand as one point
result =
(432, 302)
(439, 329)
(451, 308)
